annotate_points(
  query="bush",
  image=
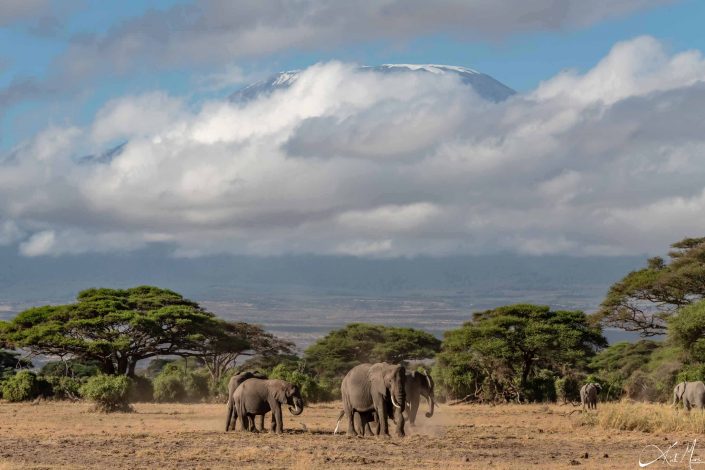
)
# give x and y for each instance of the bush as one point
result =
(691, 373)
(541, 387)
(311, 390)
(65, 387)
(21, 386)
(109, 392)
(568, 389)
(72, 368)
(141, 390)
(169, 388)
(175, 383)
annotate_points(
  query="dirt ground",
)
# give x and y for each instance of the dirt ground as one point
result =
(65, 435)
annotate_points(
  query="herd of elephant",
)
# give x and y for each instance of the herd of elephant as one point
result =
(691, 394)
(371, 393)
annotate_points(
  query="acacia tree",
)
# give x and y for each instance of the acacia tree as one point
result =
(332, 356)
(505, 347)
(119, 327)
(645, 299)
(223, 343)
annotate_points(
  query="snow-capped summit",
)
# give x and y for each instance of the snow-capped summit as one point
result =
(432, 68)
(485, 86)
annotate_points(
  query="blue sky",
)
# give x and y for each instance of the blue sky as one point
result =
(603, 140)
(520, 60)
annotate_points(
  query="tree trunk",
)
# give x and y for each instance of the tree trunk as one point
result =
(131, 368)
(108, 367)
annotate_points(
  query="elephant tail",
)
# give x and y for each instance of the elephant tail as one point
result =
(337, 423)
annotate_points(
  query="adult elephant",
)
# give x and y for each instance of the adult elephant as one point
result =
(588, 395)
(257, 397)
(377, 388)
(417, 385)
(233, 384)
(692, 394)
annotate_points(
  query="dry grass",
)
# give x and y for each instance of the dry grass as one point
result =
(646, 417)
(55, 435)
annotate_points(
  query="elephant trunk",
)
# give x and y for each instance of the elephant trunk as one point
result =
(399, 401)
(431, 404)
(298, 407)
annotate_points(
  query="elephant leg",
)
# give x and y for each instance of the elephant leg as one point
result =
(350, 412)
(413, 409)
(244, 419)
(273, 424)
(381, 410)
(261, 422)
(360, 423)
(277, 416)
(232, 417)
(399, 419)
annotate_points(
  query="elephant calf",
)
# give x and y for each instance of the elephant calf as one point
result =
(588, 395)
(257, 397)
(692, 394)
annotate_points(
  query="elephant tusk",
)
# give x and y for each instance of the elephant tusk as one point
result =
(394, 402)
(296, 407)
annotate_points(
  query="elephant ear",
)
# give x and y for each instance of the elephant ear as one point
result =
(680, 390)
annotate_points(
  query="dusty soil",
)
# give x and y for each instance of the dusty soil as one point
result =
(67, 435)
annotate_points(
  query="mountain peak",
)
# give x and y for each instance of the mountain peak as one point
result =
(484, 85)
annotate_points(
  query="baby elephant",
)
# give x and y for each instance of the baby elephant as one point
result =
(256, 397)
(588, 395)
(692, 394)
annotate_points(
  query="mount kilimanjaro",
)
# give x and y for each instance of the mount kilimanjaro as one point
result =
(485, 86)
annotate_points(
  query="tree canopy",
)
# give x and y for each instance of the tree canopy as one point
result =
(502, 350)
(340, 350)
(116, 328)
(644, 299)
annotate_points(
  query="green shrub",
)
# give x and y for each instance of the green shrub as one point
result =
(311, 390)
(568, 389)
(691, 373)
(176, 383)
(141, 390)
(109, 392)
(21, 386)
(541, 387)
(169, 388)
(197, 385)
(72, 368)
(65, 387)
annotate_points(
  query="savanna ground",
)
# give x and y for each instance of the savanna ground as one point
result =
(52, 435)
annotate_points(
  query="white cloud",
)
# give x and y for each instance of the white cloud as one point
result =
(370, 164)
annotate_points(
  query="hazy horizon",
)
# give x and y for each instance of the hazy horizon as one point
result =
(303, 297)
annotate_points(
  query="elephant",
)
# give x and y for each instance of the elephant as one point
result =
(377, 388)
(257, 397)
(692, 394)
(234, 383)
(588, 395)
(417, 385)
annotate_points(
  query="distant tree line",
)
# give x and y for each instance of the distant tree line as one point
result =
(515, 353)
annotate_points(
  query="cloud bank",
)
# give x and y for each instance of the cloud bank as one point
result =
(349, 161)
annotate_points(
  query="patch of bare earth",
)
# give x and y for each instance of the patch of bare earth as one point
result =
(65, 435)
